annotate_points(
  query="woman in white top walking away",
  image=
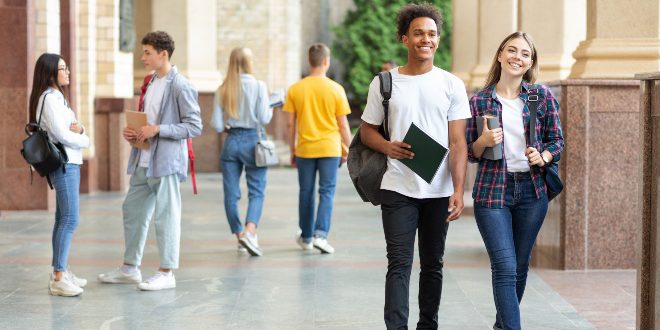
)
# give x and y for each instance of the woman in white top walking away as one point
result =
(51, 75)
(244, 101)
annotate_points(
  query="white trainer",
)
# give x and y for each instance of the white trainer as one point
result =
(241, 249)
(120, 276)
(301, 243)
(81, 282)
(159, 281)
(64, 287)
(251, 243)
(323, 245)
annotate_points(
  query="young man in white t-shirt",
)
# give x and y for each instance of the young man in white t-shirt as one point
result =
(436, 102)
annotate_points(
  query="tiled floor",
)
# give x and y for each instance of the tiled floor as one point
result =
(218, 288)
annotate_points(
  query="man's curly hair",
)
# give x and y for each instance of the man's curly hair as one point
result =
(414, 10)
(160, 41)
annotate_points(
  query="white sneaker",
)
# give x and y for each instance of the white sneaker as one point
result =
(81, 282)
(159, 281)
(301, 243)
(120, 276)
(323, 245)
(251, 243)
(64, 287)
(241, 249)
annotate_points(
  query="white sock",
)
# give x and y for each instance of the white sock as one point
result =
(129, 269)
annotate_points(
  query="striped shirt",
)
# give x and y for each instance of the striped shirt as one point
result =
(490, 183)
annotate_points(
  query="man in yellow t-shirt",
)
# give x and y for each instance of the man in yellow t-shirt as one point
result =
(319, 136)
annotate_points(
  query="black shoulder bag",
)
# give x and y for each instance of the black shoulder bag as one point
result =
(550, 172)
(40, 152)
(366, 166)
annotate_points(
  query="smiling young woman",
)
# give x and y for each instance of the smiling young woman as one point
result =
(510, 196)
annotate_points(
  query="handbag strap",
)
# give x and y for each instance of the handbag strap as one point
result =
(385, 78)
(261, 131)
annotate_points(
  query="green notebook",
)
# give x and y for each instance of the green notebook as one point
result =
(429, 154)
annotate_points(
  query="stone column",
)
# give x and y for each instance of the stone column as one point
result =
(85, 82)
(143, 25)
(623, 37)
(465, 38)
(497, 19)
(114, 68)
(593, 229)
(46, 27)
(648, 234)
(18, 28)
(563, 27)
(113, 84)
(192, 25)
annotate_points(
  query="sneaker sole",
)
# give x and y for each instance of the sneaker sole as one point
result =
(153, 289)
(251, 250)
(112, 281)
(323, 250)
(305, 247)
(62, 294)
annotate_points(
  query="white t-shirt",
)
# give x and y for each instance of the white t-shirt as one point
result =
(514, 134)
(430, 101)
(153, 99)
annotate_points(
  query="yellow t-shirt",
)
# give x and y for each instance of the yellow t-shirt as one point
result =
(317, 101)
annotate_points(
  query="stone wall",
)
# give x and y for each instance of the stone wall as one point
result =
(595, 219)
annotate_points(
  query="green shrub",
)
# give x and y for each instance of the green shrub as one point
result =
(367, 38)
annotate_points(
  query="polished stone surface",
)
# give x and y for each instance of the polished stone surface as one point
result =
(219, 288)
(591, 229)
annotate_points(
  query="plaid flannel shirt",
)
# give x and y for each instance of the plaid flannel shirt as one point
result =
(490, 183)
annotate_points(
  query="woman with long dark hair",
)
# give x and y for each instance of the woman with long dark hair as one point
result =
(510, 194)
(49, 107)
(244, 101)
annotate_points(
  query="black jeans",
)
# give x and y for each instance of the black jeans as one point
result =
(403, 217)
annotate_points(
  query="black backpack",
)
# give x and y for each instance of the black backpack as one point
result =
(40, 152)
(365, 165)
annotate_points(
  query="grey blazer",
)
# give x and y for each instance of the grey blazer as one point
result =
(179, 119)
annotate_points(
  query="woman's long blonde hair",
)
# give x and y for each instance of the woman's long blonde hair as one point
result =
(240, 61)
(496, 67)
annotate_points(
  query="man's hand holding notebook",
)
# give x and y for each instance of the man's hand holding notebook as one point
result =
(429, 154)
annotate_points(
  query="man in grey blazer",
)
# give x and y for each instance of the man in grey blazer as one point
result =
(173, 115)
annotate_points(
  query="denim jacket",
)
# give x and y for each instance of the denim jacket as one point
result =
(179, 119)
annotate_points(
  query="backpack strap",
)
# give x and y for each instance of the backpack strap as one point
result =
(533, 105)
(386, 91)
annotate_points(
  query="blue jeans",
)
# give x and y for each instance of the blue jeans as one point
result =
(237, 154)
(318, 225)
(67, 212)
(509, 234)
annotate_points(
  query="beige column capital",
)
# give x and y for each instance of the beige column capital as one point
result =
(623, 38)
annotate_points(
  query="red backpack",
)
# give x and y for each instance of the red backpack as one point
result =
(191, 152)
